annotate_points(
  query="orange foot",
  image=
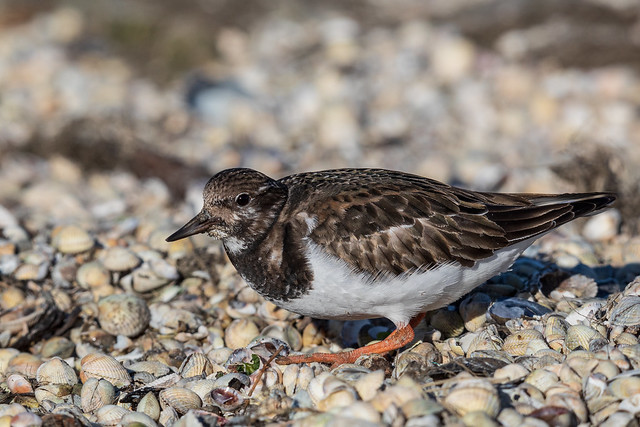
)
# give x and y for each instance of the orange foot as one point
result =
(398, 338)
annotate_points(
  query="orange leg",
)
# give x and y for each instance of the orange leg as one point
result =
(398, 338)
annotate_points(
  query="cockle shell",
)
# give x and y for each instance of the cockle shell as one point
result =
(473, 395)
(179, 398)
(137, 419)
(473, 310)
(92, 274)
(555, 331)
(448, 322)
(626, 312)
(96, 365)
(195, 365)
(123, 314)
(110, 415)
(227, 398)
(150, 406)
(120, 259)
(96, 393)
(25, 364)
(71, 239)
(56, 371)
(18, 384)
(516, 344)
(296, 377)
(581, 336)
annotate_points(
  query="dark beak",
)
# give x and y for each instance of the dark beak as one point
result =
(198, 224)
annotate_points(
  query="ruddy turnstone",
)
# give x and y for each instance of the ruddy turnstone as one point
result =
(363, 243)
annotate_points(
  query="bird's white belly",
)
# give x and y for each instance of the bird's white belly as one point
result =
(340, 293)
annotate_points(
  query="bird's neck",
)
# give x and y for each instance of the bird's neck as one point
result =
(276, 267)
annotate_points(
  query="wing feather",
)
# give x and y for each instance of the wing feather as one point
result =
(385, 222)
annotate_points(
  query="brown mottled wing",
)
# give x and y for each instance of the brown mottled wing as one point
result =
(384, 222)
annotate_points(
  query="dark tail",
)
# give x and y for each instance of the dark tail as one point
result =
(544, 212)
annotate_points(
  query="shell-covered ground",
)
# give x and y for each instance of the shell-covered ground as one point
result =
(102, 321)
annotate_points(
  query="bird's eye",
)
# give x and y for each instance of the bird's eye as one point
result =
(243, 199)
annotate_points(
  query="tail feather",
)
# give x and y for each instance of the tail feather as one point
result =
(544, 212)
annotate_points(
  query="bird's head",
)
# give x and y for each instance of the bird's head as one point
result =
(240, 206)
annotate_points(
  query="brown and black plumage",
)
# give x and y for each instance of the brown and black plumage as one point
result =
(356, 243)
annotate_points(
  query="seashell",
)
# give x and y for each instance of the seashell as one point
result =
(150, 406)
(421, 407)
(92, 275)
(168, 416)
(570, 401)
(265, 347)
(63, 273)
(227, 398)
(25, 419)
(53, 393)
(555, 331)
(631, 404)
(542, 379)
(594, 386)
(624, 387)
(626, 312)
(179, 398)
(25, 364)
(516, 344)
(18, 384)
(296, 377)
(581, 336)
(585, 313)
(312, 336)
(569, 377)
(123, 314)
(607, 368)
(146, 279)
(448, 321)
(485, 339)
(137, 419)
(515, 308)
(6, 354)
(471, 396)
(9, 264)
(96, 365)
(56, 371)
(473, 310)
(71, 239)
(511, 372)
(535, 346)
(368, 385)
(240, 380)
(196, 364)
(327, 392)
(240, 333)
(11, 297)
(509, 417)
(157, 369)
(57, 346)
(361, 412)
(96, 393)
(120, 259)
(576, 286)
(203, 389)
(626, 339)
(110, 415)
(31, 271)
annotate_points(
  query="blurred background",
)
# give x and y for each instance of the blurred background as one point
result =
(116, 108)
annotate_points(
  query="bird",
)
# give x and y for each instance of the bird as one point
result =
(363, 243)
